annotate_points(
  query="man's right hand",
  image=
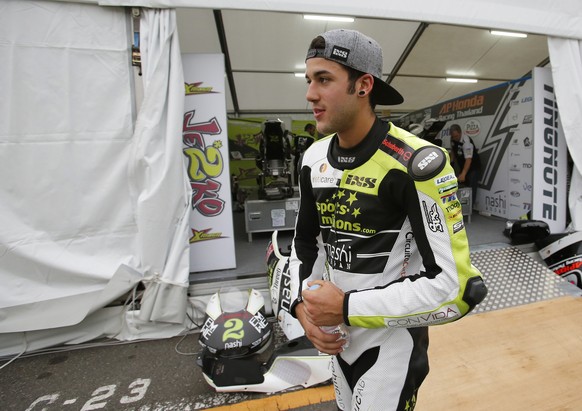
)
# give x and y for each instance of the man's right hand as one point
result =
(324, 342)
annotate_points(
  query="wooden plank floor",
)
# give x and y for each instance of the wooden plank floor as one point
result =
(526, 358)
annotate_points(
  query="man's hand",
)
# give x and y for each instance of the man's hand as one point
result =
(325, 305)
(324, 342)
(462, 177)
(465, 170)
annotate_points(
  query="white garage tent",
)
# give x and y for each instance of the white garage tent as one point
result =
(94, 199)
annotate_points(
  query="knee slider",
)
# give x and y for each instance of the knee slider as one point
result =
(475, 292)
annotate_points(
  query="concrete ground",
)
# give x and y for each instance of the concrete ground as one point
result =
(159, 375)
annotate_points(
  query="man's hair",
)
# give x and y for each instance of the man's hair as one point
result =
(353, 74)
(455, 127)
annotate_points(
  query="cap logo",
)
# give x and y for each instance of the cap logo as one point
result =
(340, 53)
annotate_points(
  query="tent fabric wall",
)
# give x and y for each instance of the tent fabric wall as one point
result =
(66, 140)
(558, 19)
(566, 58)
(160, 174)
(90, 207)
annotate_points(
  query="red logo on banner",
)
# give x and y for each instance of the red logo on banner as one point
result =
(205, 164)
(473, 127)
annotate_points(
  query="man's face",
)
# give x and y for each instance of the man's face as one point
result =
(333, 107)
(455, 135)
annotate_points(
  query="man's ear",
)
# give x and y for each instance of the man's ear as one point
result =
(365, 84)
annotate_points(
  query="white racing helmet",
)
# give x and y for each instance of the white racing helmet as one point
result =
(236, 339)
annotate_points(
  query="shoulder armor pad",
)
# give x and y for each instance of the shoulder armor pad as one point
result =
(426, 163)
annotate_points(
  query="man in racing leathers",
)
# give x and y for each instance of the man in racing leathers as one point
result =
(379, 229)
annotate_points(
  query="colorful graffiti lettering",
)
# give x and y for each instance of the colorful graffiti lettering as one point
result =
(205, 164)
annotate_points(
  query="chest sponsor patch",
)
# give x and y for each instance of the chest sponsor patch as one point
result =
(444, 179)
(397, 149)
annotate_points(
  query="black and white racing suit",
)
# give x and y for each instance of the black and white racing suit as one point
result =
(382, 220)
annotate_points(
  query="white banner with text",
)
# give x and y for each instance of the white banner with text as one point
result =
(206, 149)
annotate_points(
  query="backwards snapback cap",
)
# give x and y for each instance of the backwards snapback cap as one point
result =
(360, 52)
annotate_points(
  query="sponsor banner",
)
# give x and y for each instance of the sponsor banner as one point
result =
(550, 156)
(205, 140)
(499, 120)
(244, 136)
(245, 173)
